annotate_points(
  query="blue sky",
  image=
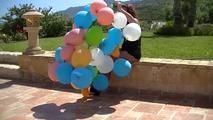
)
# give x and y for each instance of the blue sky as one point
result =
(56, 4)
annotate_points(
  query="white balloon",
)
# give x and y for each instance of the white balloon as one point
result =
(120, 20)
(132, 32)
(106, 65)
(97, 56)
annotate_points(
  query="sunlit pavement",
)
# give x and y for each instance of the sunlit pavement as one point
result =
(28, 101)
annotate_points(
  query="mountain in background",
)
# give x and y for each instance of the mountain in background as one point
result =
(70, 12)
(154, 10)
(146, 9)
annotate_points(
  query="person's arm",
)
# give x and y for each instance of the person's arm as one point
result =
(126, 55)
(130, 18)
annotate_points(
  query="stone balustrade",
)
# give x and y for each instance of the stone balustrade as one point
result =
(165, 75)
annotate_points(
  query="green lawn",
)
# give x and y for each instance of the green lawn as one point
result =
(196, 47)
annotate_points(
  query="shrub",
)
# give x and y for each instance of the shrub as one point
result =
(203, 29)
(4, 38)
(19, 37)
(53, 25)
(170, 30)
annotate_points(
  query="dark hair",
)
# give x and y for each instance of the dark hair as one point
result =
(130, 9)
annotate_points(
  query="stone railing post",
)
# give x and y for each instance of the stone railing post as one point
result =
(33, 19)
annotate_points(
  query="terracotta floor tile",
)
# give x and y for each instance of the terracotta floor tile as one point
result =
(187, 116)
(28, 101)
(153, 117)
(177, 108)
(148, 108)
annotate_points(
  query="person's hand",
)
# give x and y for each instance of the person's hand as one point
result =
(126, 55)
(118, 5)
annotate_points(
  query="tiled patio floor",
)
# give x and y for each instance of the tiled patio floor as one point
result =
(27, 101)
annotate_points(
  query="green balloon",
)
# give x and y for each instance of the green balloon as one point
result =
(95, 72)
(94, 36)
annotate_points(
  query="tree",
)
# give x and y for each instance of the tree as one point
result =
(53, 24)
(204, 11)
(192, 13)
(13, 22)
(178, 18)
(211, 15)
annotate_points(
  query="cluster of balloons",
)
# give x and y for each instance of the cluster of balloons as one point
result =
(88, 54)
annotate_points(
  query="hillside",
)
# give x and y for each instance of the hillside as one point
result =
(153, 9)
(146, 9)
(70, 12)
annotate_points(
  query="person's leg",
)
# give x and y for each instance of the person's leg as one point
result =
(94, 91)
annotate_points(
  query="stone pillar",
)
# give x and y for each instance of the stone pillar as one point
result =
(33, 26)
(33, 41)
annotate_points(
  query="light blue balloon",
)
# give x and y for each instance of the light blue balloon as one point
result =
(81, 78)
(58, 55)
(122, 67)
(83, 20)
(63, 72)
(87, 8)
(101, 83)
(107, 46)
(93, 70)
(115, 35)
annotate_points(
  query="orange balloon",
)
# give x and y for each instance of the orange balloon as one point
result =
(105, 16)
(116, 53)
(81, 57)
(96, 6)
(85, 92)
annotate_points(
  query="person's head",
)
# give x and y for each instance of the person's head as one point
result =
(130, 9)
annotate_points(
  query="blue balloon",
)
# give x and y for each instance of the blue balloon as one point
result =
(122, 67)
(100, 83)
(93, 70)
(115, 35)
(81, 78)
(107, 46)
(87, 8)
(83, 20)
(58, 55)
(63, 72)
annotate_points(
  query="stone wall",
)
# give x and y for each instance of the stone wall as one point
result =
(175, 76)
(164, 75)
(9, 57)
(35, 67)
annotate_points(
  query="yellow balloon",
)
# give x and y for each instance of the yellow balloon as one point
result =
(116, 53)
(81, 57)
(85, 92)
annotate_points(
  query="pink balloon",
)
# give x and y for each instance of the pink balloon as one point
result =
(105, 16)
(66, 52)
(74, 37)
(96, 6)
(51, 71)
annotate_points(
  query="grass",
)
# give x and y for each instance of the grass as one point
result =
(49, 44)
(195, 47)
(192, 47)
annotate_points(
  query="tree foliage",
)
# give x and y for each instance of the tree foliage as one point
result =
(53, 24)
(205, 11)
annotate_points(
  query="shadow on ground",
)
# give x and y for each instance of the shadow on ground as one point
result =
(80, 109)
(6, 84)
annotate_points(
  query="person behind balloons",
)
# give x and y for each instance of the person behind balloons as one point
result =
(129, 50)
